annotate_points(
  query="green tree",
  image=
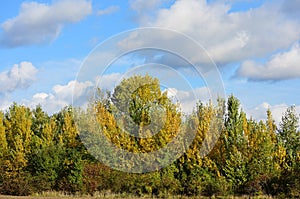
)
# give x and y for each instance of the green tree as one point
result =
(260, 165)
(40, 120)
(235, 141)
(70, 171)
(289, 154)
(44, 165)
(289, 135)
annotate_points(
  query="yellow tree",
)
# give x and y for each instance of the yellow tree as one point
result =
(3, 142)
(142, 109)
(138, 118)
(49, 132)
(3, 147)
(66, 131)
(18, 122)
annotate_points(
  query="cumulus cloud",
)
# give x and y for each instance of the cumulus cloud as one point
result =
(109, 10)
(78, 93)
(109, 81)
(39, 23)
(145, 9)
(142, 6)
(281, 66)
(62, 95)
(291, 7)
(188, 99)
(73, 88)
(260, 112)
(20, 76)
(5, 103)
(227, 36)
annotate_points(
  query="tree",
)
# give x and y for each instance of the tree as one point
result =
(3, 148)
(18, 121)
(44, 165)
(234, 124)
(66, 131)
(289, 135)
(289, 143)
(235, 141)
(140, 104)
(140, 109)
(3, 142)
(260, 165)
(70, 173)
(40, 119)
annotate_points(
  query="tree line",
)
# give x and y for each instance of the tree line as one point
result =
(41, 152)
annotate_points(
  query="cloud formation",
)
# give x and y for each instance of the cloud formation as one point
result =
(39, 23)
(20, 76)
(188, 99)
(291, 7)
(73, 92)
(260, 112)
(142, 6)
(145, 9)
(109, 81)
(109, 10)
(62, 96)
(228, 36)
(281, 66)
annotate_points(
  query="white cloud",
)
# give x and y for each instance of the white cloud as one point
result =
(39, 23)
(49, 102)
(291, 7)
(40, 96)
(62, 95)
(82, 92)
(228, 37)
(260, 112)
(73, 88)
(20, 76)
(142, 6)
(109, 81)
(74, 92)
(281, 66)
(5, 103)
(188, 99)
(145, 10)
(109, 10)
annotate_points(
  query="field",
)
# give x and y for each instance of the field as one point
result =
(116, 197)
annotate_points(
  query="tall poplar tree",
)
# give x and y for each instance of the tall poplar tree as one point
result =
(289, 135)
(18, 121)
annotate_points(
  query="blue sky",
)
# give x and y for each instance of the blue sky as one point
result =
(254, 43)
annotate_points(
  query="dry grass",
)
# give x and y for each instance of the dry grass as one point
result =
(55, 195)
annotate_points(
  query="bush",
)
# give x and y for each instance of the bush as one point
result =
(257, 186)
(95, 178)
(18, 184)
(216, 186)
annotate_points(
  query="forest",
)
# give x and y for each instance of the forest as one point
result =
(41, 152)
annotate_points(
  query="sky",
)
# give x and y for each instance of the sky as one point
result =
(254, 45)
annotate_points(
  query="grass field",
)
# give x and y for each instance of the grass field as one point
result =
(117, 197)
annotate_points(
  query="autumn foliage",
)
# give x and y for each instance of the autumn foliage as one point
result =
(41, 152)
